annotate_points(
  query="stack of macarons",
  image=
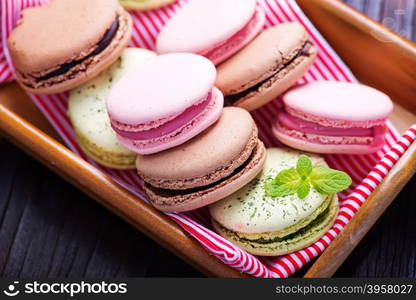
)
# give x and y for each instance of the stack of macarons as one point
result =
(164, 114)
(191, 151)
(88, 114)
(211, 166)
(254, 66)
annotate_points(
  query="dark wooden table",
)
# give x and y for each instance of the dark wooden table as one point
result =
(50, 229)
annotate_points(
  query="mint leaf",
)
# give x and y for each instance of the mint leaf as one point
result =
(284, 184)
(298, 181)
(304, 166)
(274, 190)
(328, 181)
(303, 189)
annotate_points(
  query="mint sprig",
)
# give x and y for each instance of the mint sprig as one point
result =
(299, 180)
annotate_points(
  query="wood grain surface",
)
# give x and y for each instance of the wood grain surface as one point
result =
(50, 229)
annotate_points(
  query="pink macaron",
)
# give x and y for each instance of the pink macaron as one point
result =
(333, 117)
(165, 102)
(215, 29)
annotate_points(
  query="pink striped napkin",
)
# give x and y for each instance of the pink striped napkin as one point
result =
(367, 171)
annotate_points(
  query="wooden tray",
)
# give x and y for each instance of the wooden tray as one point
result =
(376, 55)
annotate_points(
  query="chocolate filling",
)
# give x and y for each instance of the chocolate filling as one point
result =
(105, 41)
(321, 218)
(231, 99)
(171, 193)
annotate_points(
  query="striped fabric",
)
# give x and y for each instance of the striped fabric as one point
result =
(367, 171)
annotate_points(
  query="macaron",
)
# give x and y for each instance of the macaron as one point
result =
(215, 29)
(62, 44)
(140, 5)
(267, 67)
(211, 166)
(333, 117)
(165, 102)
(270, 226)
(88, 114)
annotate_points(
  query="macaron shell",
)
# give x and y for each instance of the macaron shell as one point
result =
(200, 25)
(209, 151)
(116, 159)
(140, 5)
(250, 211)
(279, 84)
(210, 195)
(354, 103)
(291, 245)
(100, 62)
(239, 40)
(131, 59)
(51, 34)
(200, 123)
(164, 87)
(256, 62)
(325, 148)
(87, 112)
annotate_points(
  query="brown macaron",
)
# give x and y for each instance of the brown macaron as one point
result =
(267, 67)
(64, 43)
(211, 166)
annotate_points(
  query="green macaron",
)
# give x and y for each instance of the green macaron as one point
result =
(268, 225)
(140, 5)
(88, 114)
